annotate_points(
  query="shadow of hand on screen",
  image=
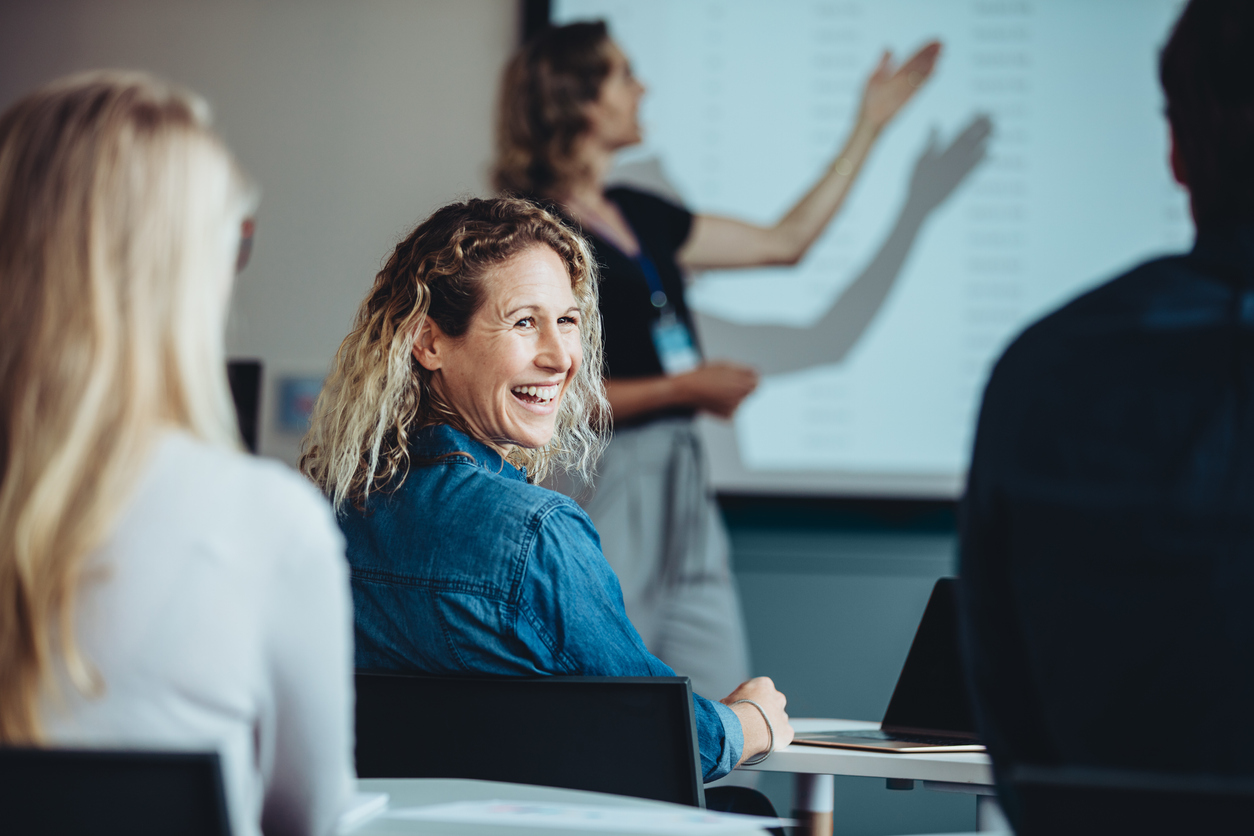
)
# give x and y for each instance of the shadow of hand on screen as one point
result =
(774, 349)
(938, 171)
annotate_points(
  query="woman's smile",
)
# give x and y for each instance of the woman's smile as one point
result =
(541, 395)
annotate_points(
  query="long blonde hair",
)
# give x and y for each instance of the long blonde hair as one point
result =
(120, 217)
(377, 394)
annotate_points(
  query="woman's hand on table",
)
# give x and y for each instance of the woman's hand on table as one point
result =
(757, 738)
(717, 387)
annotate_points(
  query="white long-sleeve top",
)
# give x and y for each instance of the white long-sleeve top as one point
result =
(218, 616)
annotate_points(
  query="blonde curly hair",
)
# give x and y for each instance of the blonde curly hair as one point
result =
(377, 394)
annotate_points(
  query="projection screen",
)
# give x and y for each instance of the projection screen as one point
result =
(874, 349)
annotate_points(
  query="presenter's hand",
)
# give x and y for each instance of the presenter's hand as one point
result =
(762, 691)
(889, 88)
(717, 387)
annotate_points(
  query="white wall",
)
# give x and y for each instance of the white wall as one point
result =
(357, 119)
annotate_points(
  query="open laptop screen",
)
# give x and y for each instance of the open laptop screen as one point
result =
(931, 693)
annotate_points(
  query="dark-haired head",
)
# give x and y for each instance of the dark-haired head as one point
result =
(1207, 73)
(545, 90)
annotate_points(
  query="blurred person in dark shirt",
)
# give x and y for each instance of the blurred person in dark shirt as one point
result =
(1107, 534)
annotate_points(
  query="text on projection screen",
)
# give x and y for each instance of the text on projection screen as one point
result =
(875, 348)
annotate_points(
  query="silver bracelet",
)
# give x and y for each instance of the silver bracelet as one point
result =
(770, 730)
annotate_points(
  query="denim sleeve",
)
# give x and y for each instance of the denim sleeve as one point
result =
(719, 719)
(570, 612)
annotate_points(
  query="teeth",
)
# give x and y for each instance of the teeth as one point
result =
(544, 393)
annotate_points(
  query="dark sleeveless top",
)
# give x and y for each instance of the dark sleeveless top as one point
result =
(627, 314)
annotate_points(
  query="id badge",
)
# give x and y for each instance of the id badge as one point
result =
(674, 345)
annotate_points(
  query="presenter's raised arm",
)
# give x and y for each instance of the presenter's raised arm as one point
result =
(725, 242)
(940, 169)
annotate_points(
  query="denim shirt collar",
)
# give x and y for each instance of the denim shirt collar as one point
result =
(439, 440)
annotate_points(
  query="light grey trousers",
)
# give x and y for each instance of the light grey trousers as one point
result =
(662, 533)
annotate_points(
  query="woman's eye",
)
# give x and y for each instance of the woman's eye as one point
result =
(569, 320)
(527, 322)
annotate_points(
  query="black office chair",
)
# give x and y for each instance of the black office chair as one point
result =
(1075, 801)
(63, 792)
(244, 377)
(626, 735)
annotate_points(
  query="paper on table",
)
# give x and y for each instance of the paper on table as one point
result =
(588, 817)
(361, 808)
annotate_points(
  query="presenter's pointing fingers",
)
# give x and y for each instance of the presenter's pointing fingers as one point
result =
(888, 90)
(884, 69)
(920, 65)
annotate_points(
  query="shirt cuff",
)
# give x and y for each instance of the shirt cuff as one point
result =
(733, 741)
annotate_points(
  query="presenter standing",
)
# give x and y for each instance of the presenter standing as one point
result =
(568, 102)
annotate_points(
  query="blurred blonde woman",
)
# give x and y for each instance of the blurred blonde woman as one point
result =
(158, 588)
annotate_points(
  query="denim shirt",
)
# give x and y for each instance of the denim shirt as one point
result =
(467, 568)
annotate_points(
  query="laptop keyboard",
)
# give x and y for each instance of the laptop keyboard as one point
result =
(922, 739)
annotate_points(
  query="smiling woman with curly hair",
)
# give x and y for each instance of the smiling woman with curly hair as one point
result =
(474, 368)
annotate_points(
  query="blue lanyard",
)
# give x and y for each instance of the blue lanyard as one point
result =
(657, 295)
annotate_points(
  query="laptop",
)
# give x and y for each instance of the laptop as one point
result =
(929, 710)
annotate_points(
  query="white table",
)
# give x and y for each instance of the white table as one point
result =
(416, 792)
(813, 768)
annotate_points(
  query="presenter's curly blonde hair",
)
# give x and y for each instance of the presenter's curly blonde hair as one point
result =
(545, 90)
(377, 394)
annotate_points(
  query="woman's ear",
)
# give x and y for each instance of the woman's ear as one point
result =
(428, 345)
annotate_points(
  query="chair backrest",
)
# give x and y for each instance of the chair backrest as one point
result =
(626, 735)
(59, 792)
(244, 377)
(1079, 801)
